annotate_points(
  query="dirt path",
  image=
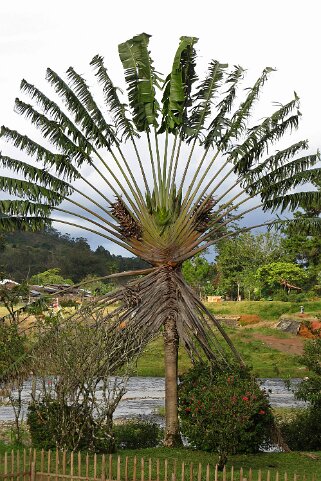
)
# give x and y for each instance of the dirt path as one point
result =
(293, 345)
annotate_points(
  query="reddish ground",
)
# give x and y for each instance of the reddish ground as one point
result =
(293, 345)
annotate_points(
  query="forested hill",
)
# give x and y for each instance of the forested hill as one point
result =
(24, 254)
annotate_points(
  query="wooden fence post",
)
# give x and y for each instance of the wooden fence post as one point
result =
(16, 466)
(33, 471)
(103, 468)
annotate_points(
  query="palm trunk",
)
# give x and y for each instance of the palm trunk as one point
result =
(171, 341)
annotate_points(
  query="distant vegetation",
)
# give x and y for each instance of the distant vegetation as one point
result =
(26, 254)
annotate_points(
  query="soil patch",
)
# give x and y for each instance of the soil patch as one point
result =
(293, 345)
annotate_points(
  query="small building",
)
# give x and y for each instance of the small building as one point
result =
(215, 298)
(8, 283)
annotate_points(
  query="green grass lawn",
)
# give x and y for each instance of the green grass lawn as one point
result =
(292, 463)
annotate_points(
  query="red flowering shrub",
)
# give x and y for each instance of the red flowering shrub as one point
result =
(224, 412)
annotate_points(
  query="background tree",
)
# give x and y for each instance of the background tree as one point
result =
(282, 275)
(51, 276)
(303, 248)
(167, 201)
(239, 258)
(11, 297)
(200, 274)
(97, 287)
(28, 253)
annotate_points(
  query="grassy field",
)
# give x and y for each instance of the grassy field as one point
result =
(265, 361)
(266, 310)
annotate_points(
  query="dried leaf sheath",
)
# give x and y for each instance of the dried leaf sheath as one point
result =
(143, 306)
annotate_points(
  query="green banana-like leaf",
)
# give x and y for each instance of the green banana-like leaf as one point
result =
(178, 86)
(141, 81)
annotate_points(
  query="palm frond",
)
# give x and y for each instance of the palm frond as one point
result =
(237, 124)
(178, 86)
(24, 208)
(80, 115)
(141, 80)
(290, 172)
(203, 99)
(81, 89)
(309, 226)
(275, 161)
(259, 138)
(54, 111)
(27, 224)
(52, 131)
(293, 201)
(220, 122)
(123, 123)
(35, 174)
(34, 192)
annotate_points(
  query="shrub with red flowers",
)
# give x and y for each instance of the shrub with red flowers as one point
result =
(224, 411)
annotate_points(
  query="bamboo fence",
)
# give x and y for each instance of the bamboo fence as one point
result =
(33, 465)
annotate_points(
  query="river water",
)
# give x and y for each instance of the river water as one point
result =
(146, 394)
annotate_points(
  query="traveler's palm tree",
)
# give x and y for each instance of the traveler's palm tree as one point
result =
(202, 168)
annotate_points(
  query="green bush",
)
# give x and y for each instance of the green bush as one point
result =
(304, 431)
(297, 297)
(137, 434)
(281, 296)
(49, 425)
(224, 412)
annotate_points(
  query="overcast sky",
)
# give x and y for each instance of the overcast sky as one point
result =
(284, 34)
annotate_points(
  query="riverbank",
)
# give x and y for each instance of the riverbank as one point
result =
(146, 396)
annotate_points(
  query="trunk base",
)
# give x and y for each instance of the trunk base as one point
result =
(172, 440)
